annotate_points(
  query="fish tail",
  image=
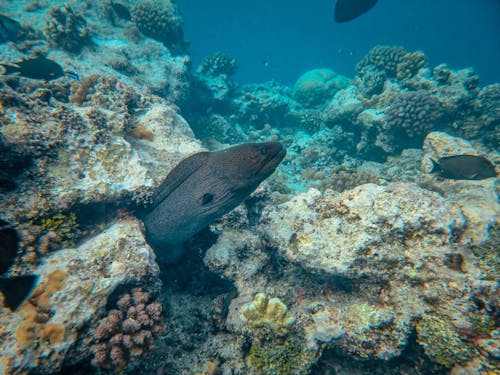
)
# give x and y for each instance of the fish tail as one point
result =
(8, 69)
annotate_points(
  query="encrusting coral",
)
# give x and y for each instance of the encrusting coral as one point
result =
(128, 332)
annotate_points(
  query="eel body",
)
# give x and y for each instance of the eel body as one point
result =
(202, 188)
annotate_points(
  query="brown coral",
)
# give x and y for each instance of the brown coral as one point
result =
(66, 29)
(410, 65)
(127, 332)
(383, 58)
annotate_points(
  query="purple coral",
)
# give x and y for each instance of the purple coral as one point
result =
(128, 332)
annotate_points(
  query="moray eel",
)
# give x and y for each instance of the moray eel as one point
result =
(202, 188)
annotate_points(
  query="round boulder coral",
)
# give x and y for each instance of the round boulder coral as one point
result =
(160, 20)
(314, 87)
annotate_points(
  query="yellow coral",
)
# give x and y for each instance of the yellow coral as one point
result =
(265, 312)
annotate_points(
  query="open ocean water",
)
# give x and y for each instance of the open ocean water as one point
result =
(264, 187)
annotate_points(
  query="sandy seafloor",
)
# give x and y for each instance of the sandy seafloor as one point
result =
(354, 257)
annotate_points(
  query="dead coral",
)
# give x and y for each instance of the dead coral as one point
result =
(127, 332)
(66, 29)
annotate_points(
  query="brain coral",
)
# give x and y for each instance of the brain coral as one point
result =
(384, 58)
(160, 20)
(314, 87)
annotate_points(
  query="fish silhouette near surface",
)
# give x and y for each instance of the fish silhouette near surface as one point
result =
(464, 167)
(14, 289)
(34, 68)
(9, 29)
(347, 10)
(202, 188)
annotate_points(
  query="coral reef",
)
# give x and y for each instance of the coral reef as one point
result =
(128, 332)
(160, 20)
(41, 332)
(67, 29)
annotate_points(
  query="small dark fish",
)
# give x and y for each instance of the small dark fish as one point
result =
(9, 29)
(121, 11)
(16, 290)
(9, 246)
(73, 75)
(464, 167)
(347, 10)
(36, 68)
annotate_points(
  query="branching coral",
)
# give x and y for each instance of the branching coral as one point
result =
(127, 332)
(66, 29)
(261, 104)
(310, 120)
(217, 64)
(384, 58)
(410, 65)
(160, 20)
(413, 114)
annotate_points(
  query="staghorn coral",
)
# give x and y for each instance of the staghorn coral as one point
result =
(217, 64)
(410, 65)
(66, 29)
(160, 20)
(383, 58)
(128, 332)
(412, 115)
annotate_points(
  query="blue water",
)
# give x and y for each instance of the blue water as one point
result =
(295, 36)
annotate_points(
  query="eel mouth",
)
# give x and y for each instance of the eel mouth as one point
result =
(276, 154)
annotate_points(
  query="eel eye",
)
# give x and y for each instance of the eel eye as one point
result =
(263, 151)
(207, 198)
